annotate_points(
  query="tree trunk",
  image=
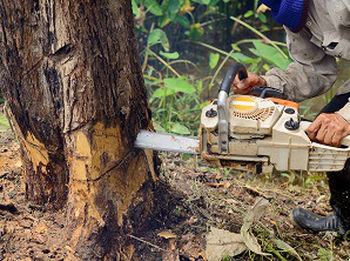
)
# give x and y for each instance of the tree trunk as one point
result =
(74, 86)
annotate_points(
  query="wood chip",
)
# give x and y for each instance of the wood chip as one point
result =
(166, 234)
(41, 228)
(225, 184)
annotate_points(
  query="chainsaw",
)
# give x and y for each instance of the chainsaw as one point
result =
(255, 133)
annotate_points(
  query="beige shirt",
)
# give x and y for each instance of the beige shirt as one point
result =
(314, 49)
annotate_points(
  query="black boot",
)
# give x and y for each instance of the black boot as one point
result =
(314, 223)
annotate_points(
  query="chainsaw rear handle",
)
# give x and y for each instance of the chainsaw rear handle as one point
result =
(235, 69)
(266, 92)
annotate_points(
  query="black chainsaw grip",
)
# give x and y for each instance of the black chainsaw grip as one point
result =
(265, 92)
(236, 68)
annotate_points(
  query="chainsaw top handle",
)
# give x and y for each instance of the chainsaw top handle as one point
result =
(236, 68)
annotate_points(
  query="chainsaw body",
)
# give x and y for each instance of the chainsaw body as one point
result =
(258, 134)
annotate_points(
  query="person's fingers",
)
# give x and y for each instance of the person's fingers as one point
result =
(336, 139)
(342, 129)
(255, 80)
(237, 90)
(244, 84)
(251, 80)
(329, 129)
(316, 124)
(322, 132)
(240, 91)
(240, 86)
(329, 135)
(313, 128)
(236, 81)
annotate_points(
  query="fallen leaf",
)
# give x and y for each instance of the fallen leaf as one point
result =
(254, 214)
(262, 9)
(166, 234)
(287, 248)
(193, 250)
(172, 244)
(222, 243)
(218, 176)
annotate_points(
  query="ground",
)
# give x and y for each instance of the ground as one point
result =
(197, 198)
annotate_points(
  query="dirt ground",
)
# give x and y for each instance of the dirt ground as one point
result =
(203, 197)
(26, 232)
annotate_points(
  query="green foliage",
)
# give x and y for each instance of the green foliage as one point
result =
(153, 7)
(213, 60)
(170, 56)
(158, 36)
(4, 124)
(325, 254)
(175, 104)
(172, 86)
(180, 129)
(270, 55)
(178, 90)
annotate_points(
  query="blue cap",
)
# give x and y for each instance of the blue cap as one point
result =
(291, 13)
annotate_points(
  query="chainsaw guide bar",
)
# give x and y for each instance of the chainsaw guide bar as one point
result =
(167, 142)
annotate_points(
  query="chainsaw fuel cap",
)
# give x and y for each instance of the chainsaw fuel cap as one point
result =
(211, 113)
(291, 124)
(289, 111)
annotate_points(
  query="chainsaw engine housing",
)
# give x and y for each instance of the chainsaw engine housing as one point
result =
(263, 135)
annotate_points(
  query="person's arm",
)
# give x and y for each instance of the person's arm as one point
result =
(312, 73)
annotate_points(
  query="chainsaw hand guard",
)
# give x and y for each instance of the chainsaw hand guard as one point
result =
(223, 126)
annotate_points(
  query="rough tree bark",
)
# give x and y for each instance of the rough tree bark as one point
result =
(73, 83)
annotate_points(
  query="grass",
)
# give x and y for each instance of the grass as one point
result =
(4, 124)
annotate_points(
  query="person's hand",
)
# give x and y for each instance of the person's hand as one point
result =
(329, 129)
(245, 86)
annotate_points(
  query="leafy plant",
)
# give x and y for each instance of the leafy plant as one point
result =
(176, 105)
(176, 95)
(4, 122)
(270, 55)
(325, 254)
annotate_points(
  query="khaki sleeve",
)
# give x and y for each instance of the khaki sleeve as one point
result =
(345, 112)
(312, 73)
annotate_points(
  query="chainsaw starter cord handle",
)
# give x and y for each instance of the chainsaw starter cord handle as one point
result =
(236, 68)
